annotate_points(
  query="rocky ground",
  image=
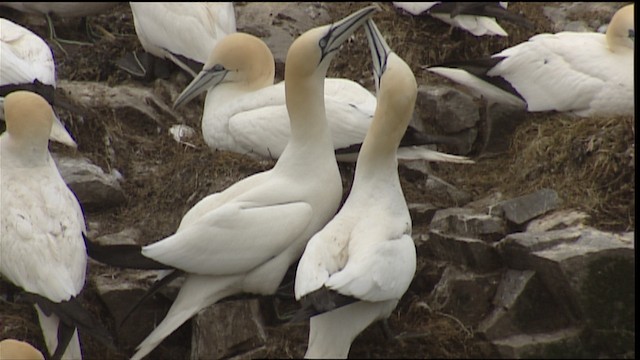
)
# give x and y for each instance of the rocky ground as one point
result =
(589, 162)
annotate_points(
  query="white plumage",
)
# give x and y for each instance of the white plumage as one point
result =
(245, 112)
(478, 25)
(42, 223)
(27, 61)
(586, 73)
(366, 251)
(244, 238)
(189, 29)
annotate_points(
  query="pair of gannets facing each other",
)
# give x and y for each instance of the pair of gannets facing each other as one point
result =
(27, 64)
(245, 111)
(355, 270)
(42, 227)
(478, 18)
(11, 349)
(184, 33)
(585, 73)
(243, 239)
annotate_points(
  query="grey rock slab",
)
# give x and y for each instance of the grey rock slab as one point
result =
(469, 223)
(229, 329)
(516, 248)
(438, 186)
(472, 253)
(119, 290)
(565, 343)
(464, 294)
(421, 214)
(560, 219)
(487, 204)
(446, 107)
(527, 207)
(522, 305)
(593, 277)
(92, 186)
(501, 122)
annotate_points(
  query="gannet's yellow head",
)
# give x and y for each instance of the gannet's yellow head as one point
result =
(238, 58)
(11, 349)
(28, 116)
(621, 32)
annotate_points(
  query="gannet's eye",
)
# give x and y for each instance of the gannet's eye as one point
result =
(323, 42)
(217, 67)
(632, 35)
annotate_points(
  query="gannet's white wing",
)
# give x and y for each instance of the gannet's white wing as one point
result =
(25, 57)
(261, 122)
(42, 251)
(383, 271)
(195, 27)
(554, 72)
(234, 238)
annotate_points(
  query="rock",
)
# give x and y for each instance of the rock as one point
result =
(501, 123)
(94, 95)
(439, 186)
(421, 214)
(472, 253)
(450, 109)
(522, 305)
(467, 222)
(230, 329)
(557, 220)
(593, 278)
(127, 236)
(565, 343)
(427, 276)
(516, 248)
(487, 204)
(94, 189)
(524, 208)
(123, 289)
(278, 24)
(465, 295)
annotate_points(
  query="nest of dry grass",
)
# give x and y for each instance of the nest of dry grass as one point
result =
(590, 162)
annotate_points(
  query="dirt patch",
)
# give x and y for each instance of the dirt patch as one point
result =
(590, 162)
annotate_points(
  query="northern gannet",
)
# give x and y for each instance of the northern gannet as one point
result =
(245, 112)
(478, 18)
(354, 271)
(586, 73)
(41, 227)
(243, 239)
(184, 33)
(12, 349)
(62, 9)
(27, 64)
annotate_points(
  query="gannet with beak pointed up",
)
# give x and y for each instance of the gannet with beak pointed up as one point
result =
(245, 112)
(585, 73)
(354, 271)
(27, 64)
(41, 226)
(243, 239)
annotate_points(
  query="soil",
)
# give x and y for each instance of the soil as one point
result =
(589, 162)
